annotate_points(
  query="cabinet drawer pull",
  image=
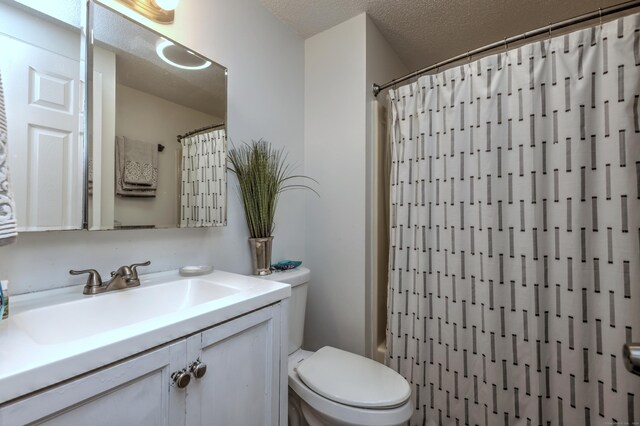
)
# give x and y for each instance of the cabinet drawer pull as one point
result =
(198, 369)
(181, 378)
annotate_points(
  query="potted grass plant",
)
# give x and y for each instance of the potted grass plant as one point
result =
(263, 174)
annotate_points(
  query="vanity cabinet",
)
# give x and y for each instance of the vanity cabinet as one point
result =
(243, 383)
(243, 373)
(132, 392)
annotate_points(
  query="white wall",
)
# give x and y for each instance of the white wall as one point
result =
(335, 133)
(340, 65)
(266, 88)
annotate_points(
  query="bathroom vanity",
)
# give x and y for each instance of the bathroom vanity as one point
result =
(175, 351)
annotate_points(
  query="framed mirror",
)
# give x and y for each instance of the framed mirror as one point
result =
(42, 71)
(156, 155)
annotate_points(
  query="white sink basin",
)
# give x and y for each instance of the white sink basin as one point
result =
(91, 315)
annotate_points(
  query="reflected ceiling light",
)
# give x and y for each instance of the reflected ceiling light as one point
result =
(179, 57)
(160, 11)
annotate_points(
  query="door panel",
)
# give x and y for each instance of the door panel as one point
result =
(242, 379)
(42, 90)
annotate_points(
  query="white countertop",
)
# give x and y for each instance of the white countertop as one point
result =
(26, 365)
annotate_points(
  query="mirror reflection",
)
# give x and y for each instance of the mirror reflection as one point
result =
(157, 157)
(42, 72)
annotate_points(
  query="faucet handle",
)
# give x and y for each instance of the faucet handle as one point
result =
(134, 269)
(94, 279)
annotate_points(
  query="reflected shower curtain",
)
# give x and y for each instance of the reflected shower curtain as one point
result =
(203, 187)
(515, 230)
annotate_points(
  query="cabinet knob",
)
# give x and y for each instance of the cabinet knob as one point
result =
(198, 369)
(181, 378)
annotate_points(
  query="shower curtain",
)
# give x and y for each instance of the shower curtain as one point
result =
(515, 231)
(203, 187)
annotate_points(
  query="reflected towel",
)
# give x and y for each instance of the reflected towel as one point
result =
(123, 165)
(8, 229)
(140, 160)
(128, 190)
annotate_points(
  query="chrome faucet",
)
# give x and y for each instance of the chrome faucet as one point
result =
(124, 277)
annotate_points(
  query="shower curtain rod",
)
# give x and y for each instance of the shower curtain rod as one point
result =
(200, 130)
(543, 30)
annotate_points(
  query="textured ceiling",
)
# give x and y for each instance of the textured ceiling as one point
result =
(424, 32)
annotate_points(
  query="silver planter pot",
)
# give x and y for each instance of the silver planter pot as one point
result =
(261, 255)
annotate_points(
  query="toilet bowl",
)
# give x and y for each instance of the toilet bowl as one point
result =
(335, 387)
(317, 409)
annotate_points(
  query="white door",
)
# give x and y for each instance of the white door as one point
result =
(42, 95)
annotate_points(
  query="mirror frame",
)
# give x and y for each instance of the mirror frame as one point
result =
(87, 46)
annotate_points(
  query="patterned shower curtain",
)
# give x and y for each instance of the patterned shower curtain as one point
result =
(515, 230)
(204, 186)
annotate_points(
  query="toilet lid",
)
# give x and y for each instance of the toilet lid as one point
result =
(353, 380)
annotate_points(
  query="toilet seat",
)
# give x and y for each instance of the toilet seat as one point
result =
(346, 414)
(351, 379)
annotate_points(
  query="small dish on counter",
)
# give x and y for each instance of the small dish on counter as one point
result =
(194, 271)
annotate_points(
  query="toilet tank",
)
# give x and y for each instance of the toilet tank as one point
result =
(298, 279)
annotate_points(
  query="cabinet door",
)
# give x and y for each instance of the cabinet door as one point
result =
(134, 392)
(241, 385)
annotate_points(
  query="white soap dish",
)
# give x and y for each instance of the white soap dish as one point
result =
(192, 271)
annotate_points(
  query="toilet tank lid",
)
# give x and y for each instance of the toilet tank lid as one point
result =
(293, 277)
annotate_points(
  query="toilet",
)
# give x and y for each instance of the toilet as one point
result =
(332, 386)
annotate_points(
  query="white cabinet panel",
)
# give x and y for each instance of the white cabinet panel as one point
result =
(135, 392)
(242, 380)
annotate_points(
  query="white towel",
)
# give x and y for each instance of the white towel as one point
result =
(8, 229)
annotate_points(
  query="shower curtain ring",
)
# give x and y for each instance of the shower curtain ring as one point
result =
(506, 45)
(550, 30)
(600, 15)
